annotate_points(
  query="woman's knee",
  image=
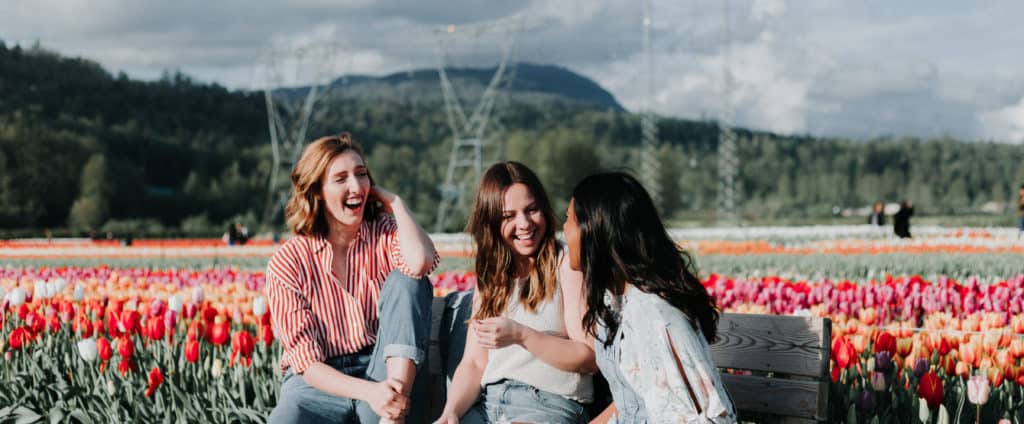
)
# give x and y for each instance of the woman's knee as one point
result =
(399, 287)
(301, 403)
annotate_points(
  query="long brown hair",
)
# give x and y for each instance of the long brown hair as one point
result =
(305, 212)
(495, 260)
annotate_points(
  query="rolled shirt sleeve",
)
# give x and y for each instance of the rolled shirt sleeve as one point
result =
(389, 232)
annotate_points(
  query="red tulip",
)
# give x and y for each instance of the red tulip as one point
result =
(930, 388)
(54, 323)
(209, 314)
(885, 342)
(242, 345)
(130, 321)
(18, 338)
(112, 330)
(190, 310)
(23, 311)
(155, 328)
(155, 379)
(268, 334)
(67, 311)
(192, 350)
(35, 323)
(845, 355)
(84, 327)
(195, 329)
(126, 365)
(103, 348)
(125, 347)
(219, 333)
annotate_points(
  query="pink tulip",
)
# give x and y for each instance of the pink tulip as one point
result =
(977, 389)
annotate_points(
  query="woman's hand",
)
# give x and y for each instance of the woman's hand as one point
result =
(387, 401)
(447, 418)
(385, 197)
(499, 332)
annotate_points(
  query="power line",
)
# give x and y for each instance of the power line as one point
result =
(470, 132)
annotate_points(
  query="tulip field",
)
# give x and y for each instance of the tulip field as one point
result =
(927, 330)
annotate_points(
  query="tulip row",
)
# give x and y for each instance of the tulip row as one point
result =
(102, 344)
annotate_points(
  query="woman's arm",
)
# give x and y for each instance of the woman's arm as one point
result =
(417, 250)
(465, 387)
(575, 354)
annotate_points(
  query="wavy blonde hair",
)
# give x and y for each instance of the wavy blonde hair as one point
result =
(495, 268)
(305, 212)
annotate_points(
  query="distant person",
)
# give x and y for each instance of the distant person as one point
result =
(243, 234)
(877, 217)
(901, 221)
(231, 236)
(1020, 211)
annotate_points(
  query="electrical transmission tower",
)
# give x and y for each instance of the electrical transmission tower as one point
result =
(472, 131)
(728, 160)
(648, 122)
(290, 111)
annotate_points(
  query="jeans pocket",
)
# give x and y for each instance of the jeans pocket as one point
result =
(559, 405)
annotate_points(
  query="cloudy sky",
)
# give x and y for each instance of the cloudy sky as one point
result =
(827, 67)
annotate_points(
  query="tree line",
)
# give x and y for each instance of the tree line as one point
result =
(84, 151)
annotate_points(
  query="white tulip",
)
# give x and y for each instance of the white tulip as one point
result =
(17, 296)
(39, 291)
(60, 285)
(197, 295)
(51, 290)
(922, 411)
(174, 303)
(87, 348)
(259, 306)
(217, 368)
(79, 293)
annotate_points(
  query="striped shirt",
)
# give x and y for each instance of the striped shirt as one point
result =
(315, 315)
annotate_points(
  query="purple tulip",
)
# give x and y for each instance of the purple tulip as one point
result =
(920, 367)
(865, 401)
(883, 362)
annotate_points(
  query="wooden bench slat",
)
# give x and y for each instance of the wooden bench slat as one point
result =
(774, 396)
(782, 344)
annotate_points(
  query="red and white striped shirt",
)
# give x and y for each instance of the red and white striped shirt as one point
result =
(314, 315)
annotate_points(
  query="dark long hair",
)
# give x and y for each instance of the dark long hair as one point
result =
(622, 240)
(495, 260)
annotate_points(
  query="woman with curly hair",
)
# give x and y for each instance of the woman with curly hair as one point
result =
(348, 295)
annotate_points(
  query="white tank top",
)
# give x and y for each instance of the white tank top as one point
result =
(516, 363)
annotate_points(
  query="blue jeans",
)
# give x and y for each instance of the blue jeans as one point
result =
(404, 332)
(1020, 223)
(512, 401)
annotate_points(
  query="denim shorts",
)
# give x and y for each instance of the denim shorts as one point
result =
(509, 401)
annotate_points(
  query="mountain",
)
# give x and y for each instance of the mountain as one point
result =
(525, 83)
(82, 149)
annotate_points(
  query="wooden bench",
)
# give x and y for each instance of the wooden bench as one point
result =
(776, 368)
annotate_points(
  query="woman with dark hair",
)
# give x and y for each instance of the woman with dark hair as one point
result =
(651, 318)
(348, 295)
(526, 356)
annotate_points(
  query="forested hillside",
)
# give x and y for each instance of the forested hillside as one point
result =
(81, 149)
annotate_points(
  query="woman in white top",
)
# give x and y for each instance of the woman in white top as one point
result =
(651, 317)
(526, 357)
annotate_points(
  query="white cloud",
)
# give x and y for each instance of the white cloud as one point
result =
(827, 67)
(1005, 124)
